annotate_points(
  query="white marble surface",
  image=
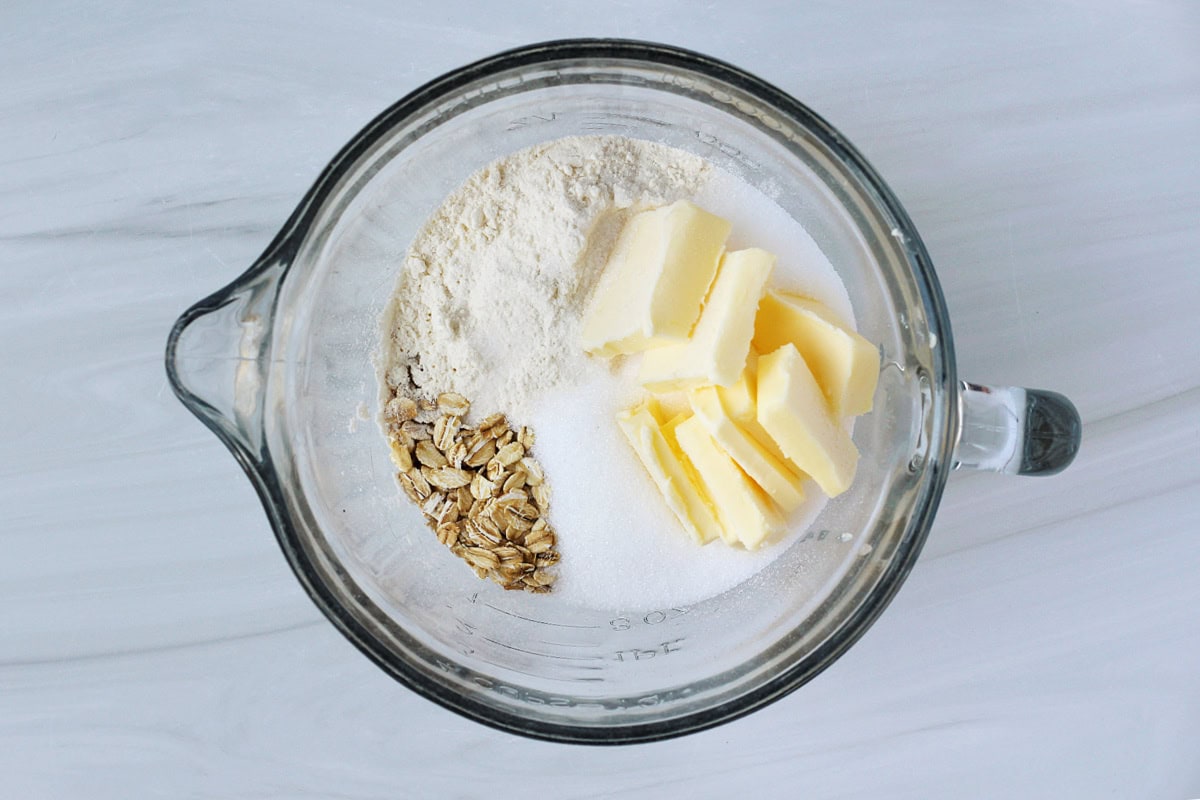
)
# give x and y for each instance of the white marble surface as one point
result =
(154, 644)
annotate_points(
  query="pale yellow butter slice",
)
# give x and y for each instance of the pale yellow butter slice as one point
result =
(705, 511)
(716, 352)
(740, 396)
(844, 363)
(745, 513)
(655, 281)
(740, 401)
(671, 474)
(773, 476)
(793, 411)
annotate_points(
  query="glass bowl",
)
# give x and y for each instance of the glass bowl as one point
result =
(280, 366)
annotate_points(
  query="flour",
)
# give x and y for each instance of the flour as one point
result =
(493, 288)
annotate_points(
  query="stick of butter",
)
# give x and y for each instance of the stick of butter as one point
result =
(792, 409)
(671, 473)
(655, 280)
(845, 364)
(745, 513)
(774, 477)
(716, 352)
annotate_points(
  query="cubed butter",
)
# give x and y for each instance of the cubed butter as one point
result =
(668, 469)
(716, 351)
(745, 513)
(845, 364)
(793, 411)
(655, 280)
(772, 476)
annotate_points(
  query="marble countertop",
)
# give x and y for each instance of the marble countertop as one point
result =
(153, 642)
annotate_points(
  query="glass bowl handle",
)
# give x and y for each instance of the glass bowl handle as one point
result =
(217, 358)
(1016, 431)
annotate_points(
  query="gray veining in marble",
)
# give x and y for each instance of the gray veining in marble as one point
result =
(153, 642)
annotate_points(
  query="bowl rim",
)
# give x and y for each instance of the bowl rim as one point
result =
(255, 459)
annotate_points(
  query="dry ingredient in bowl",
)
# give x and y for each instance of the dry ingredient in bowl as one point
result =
(493, 288)
(480, 489)
(488, 306)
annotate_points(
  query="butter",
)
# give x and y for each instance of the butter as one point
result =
(845, 365)
(740, 401)
(716, 351)
(774, 477)
(745, 513)
(793, 410)
(668, 468)
(703, 510)
(655, 280)
(740, 397)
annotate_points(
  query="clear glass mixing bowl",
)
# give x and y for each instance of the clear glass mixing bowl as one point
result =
(279, 365)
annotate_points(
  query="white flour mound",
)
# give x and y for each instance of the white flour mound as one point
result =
(494, 286)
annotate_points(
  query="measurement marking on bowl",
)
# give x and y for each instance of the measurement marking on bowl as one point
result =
(642, 654)
(542, 655)
(649, 618)
(539, 621)
(532, 119)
